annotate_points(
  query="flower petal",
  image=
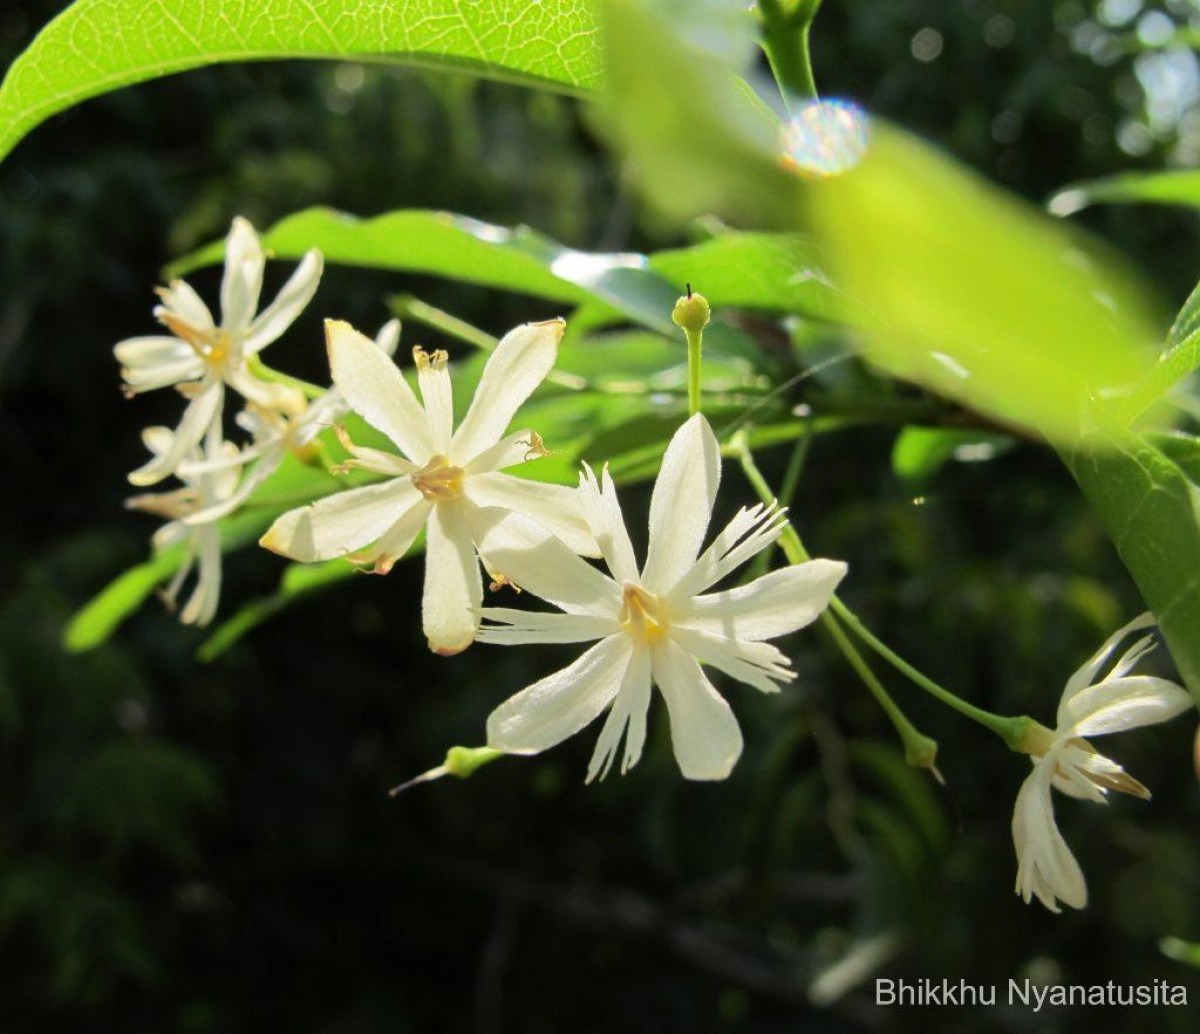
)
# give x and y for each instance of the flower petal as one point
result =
(518, 627)
(453, 585)
(396, 541)
(749, 533)
(341, 523)
(388, 337)
(682, 503)
(153, 350)
(555, 507)
(433, 378)
(288, 304)
(201, 606)
(607, 524)
(770, 606)
(242, 280)
(181, 301)
(760, 665)
(1045, 866)
(1126, 703)
(164, 375)
(628, 716)
(534, 560)
(518, 365)
(224, 503)
(267, 394)
(202, 414)
(377, 391)
(1091, 667)
(556, 707)
(512, 449)
(704, 732)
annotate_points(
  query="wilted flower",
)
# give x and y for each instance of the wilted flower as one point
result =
(202, 356)
(443, 477)
(653, 627)
(1065, 760)
(202, 491)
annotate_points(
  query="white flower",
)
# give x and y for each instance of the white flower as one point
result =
(655, 627)
(1065, 760)
(277, 433)
(202, 356)
(202, 542)
(443, 477)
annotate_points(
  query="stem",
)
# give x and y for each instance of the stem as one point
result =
(919, 749)
(785, 30)
(263, 372)
(1008, 729)
(694, 342)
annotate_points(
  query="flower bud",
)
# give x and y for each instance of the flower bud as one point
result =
(691, 312)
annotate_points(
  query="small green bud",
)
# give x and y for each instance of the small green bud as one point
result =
(921, 752)
(691, 312)
(1027, 736)
(461, 762)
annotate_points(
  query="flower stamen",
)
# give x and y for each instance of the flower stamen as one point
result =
(643, 614)
(439, 481)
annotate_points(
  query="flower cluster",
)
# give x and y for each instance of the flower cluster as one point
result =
(659, 623)
(460, 486)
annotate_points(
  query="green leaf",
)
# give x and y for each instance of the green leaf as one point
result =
(775, 272)
(697, 135)
(521, 260)
(298, 581)
(1158, 188)
(1147, 499)
(920, 452)
(96, 46)
(101, 616)
(292, 484)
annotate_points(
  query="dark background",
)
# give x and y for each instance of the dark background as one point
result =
(211, 849)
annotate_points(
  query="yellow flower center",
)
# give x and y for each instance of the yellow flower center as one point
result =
(214, 346)
(439, 480)
(643, 615)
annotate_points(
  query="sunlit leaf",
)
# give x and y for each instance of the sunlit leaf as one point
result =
(96, 46)
(1150, 505)
(522, 260)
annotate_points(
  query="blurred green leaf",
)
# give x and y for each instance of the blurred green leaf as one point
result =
(962, 288)
(697, 135)
(1160, 188)
(298, 581)
(920, 452)
(138, 793)
(975, 294)
(96, 46)
(1151, 508)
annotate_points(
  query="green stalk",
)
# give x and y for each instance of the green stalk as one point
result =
(785, 31)
(1009, 729)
